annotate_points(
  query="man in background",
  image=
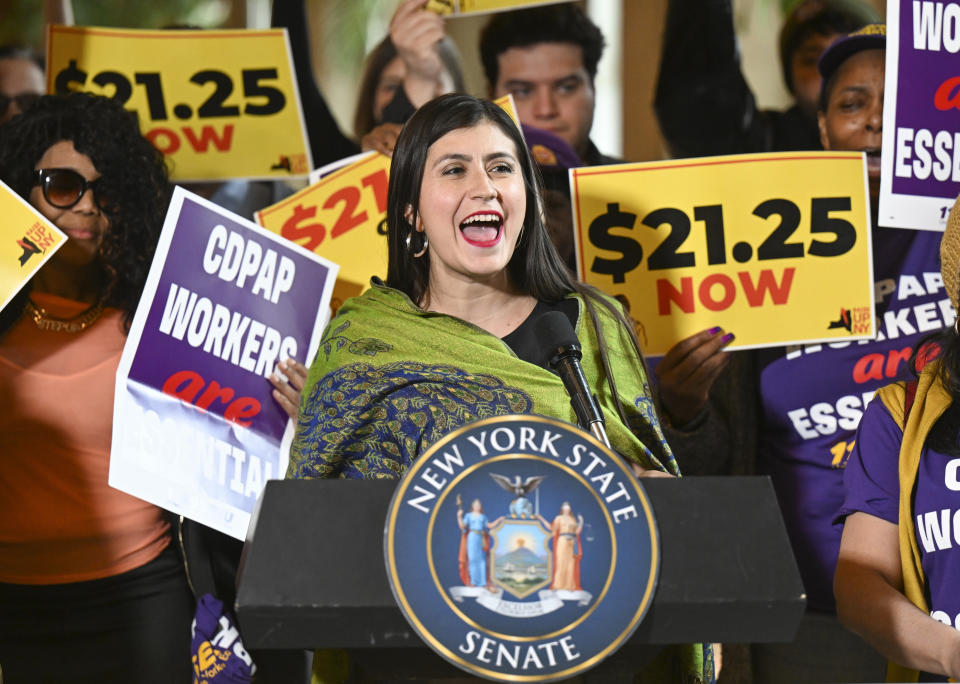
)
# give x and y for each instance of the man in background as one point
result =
(546, 57)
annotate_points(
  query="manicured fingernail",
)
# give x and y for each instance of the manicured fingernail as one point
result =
(729, 337)
(714, 331)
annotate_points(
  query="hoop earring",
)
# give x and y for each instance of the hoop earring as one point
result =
(956, 326)
(423, 250)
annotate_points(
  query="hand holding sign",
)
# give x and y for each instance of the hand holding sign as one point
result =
(382, 139)
(687, 372)
(772, 246)
(222, 104)
(415, 34)
(287, 393)
(197, 427)
(460, 7)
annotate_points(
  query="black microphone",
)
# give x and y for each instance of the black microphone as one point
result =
(561, 351)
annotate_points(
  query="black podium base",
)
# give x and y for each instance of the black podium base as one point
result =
(313, 575)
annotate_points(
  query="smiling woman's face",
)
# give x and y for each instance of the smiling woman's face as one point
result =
(854, 117)
(84, 222)
(472, 205)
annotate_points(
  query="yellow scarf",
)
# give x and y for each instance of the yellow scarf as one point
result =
(929, 403)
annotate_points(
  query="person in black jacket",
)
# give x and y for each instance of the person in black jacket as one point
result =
(705, 107)
(703, 102)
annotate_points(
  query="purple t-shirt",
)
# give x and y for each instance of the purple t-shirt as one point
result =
(813, 397)
(872, 486)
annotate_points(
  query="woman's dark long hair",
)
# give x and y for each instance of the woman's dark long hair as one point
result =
(535, 268)
(133, 175)
(377, 61)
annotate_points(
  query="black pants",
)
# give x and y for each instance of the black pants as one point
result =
(131, 628)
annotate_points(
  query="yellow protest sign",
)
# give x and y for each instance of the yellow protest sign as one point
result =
(773, 247)
(219, 104)
(342, 217)
(507, 104)
(29, 241)
(459, 7)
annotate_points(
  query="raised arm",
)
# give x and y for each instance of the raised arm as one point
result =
(703, 102)
(58, 12)
(327, 142)
(416, 32)
(869, 588)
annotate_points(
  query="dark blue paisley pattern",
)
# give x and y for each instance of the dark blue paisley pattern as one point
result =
(646, 426)
(365, 421)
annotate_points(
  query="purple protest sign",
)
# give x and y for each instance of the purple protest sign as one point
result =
(920, 173)
(196, 429)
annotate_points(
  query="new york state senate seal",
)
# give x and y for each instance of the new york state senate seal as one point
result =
(521, 549)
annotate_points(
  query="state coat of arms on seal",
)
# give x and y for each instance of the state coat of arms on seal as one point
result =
(521, 549)
(520, 553)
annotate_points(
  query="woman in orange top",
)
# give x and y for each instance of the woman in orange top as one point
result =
(91, 585)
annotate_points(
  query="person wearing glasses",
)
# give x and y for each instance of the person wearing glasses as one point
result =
(91, 583)
(21, 80)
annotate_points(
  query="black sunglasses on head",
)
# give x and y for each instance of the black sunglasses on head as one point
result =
(24, 101)
(63, 188)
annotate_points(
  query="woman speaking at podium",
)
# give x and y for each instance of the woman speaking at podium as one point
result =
(449, 338)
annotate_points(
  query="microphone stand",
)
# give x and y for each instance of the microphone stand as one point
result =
(585, 405)
(561, 351)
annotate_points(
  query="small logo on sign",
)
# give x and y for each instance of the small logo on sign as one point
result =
(29, 249)
(521, 549)
(282, 165)
(855, 321)
(842, 322)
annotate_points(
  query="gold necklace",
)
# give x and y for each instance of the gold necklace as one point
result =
(81, 321)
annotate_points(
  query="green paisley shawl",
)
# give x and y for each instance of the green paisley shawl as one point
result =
(390, 379)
